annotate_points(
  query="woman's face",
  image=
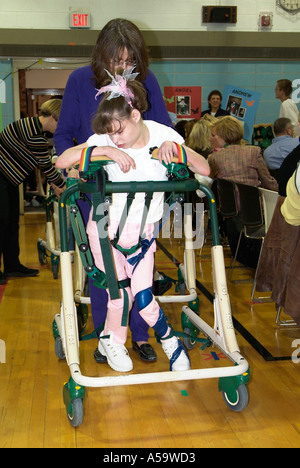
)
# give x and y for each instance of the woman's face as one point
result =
(216, 140)
(122, 61)
(215, 101)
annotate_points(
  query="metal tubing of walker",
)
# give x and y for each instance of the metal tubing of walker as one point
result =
(241, 367)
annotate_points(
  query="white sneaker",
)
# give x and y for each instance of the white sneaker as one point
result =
(117, 355)
(174, 349)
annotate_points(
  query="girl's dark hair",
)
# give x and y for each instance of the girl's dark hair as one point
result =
(117, 35)
(117, 109)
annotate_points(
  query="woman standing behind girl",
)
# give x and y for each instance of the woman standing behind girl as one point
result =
(119, 44)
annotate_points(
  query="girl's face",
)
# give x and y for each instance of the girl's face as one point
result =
(127, 132)
(216, 140)
(215, 101)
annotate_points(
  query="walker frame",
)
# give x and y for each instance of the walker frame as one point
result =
(50, 244)
(232, 379)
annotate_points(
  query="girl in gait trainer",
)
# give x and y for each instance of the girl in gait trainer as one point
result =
(123, 136)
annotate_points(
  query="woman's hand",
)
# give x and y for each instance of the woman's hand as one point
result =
(57, 190)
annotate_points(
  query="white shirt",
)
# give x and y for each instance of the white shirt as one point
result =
(289, 110)
(147, 169)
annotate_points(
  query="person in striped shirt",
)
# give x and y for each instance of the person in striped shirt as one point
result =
(23, 147)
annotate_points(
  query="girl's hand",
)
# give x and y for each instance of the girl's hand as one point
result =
(165, 152)
(122, 159)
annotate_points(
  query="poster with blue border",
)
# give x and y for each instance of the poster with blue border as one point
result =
(242, 104)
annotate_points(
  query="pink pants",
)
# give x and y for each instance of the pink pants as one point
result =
(141, 278)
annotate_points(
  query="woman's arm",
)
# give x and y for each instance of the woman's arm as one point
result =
(267, 181)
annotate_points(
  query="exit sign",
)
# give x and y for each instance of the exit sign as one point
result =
(80, 20)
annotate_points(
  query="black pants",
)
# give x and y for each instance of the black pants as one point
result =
(9, 225)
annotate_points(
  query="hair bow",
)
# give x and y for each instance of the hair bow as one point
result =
(118, 86)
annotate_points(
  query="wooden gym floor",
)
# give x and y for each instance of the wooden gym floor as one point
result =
(171, 415)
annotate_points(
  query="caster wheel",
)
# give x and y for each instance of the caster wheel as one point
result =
(55, 266)
(73, 395)
(188, 342)
(75, 413)
(59, 352)
(238, 400)
(42, 255)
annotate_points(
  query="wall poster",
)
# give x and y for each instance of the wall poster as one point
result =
(242, 104)
(184, 101)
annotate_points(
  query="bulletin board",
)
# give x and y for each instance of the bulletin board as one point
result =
(184, 101)
(242, 104)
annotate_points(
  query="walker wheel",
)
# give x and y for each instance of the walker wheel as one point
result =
(73, 395)
(41, 254)
(55, 268)
(188, 341)
(59, 352)
(75, 413)
(238, 400)
(55, 265)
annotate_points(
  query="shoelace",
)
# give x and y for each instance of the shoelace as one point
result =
(169, 346)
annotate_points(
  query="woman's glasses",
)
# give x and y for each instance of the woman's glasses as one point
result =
(124, 63)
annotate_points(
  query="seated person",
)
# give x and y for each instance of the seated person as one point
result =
(291, 206)
(278, 269)
(243, 164)
(214, 105)
(281, 146)
(199, 137)
(287, 169)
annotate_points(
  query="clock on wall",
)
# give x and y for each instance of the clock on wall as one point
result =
(291, 6)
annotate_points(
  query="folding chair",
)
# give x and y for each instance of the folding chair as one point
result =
(227, 198)
(227, 204)
(269, 199)
(252, 217)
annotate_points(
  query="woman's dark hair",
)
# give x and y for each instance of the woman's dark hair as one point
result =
(117, 35)
(118, 109)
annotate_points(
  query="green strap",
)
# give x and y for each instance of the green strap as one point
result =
(99, 218)
(134, 248)
(125, 309)
(95, 333)
(129, 200)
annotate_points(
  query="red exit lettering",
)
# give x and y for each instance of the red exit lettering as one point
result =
(80, 19)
